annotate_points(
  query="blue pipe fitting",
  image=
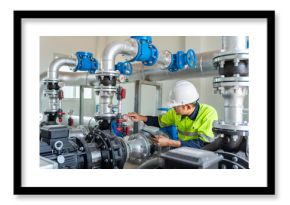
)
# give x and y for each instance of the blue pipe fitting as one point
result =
(181, 59)
(125, 68)
(147, 52)
(86, 62)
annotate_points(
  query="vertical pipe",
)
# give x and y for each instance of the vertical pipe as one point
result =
(231, 43)
(81, 111)
(137, 103)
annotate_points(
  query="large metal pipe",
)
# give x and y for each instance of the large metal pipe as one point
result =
(73, 78)
(234, 43)
(204, 68)
(129, 47)
(56, 64)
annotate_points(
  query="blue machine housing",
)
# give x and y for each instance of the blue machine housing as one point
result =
(86, 62)
(147, 52)
(181, 59)
(170, 130)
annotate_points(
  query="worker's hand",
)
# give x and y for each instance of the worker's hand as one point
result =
(136, 117)
(161, 140)
(165, 142)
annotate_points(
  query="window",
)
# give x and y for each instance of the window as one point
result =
(74, 92)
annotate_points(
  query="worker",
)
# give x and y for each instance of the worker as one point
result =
(193, 119)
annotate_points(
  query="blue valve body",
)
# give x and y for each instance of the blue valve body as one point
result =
(86, 62)
(125, 68)
(181, 59)
(147, 52)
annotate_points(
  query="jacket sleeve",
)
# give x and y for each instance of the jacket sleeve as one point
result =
(152, 121)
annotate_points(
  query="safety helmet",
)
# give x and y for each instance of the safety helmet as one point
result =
(183, 93)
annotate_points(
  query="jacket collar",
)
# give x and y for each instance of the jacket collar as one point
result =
(193, 115)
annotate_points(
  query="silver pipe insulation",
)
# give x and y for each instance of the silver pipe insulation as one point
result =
(56, 64)
(231, 43)
(129, 47)
(164, 59)
(204, 68)
(73, 78)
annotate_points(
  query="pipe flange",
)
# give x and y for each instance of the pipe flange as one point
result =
(44, 81)
(235, 126)
(106, 89)
(228, 56)
(236, 78)
(106, 116)
(238, 81)
(107, 73)
(232, 64)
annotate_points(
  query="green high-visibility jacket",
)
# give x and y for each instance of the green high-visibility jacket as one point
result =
(198, 125)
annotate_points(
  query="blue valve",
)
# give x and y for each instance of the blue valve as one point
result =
(190, 58)
(147, 52)
(86, 62)
(125, 68)
(181, 59)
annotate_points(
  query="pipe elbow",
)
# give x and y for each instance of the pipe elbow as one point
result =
(128, 47)
(55, 65)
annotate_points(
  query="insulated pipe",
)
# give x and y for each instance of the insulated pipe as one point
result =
(234, 43)
(56, 64)
(73, 78)
(129, 47)
(164, 59)
(204, 68)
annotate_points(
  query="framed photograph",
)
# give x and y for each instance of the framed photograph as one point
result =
(144, 102)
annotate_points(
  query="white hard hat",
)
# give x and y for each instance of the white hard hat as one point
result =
(183, 93)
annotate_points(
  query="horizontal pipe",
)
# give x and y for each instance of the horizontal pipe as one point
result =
(204, 68)
(74, 78)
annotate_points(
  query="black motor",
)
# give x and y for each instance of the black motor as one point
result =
(99, 149)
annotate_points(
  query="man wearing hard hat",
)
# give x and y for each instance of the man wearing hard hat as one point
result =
(192, 119)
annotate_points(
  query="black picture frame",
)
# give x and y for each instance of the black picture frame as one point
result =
(269, 16)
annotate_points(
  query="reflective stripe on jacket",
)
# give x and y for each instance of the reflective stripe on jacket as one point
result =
(189, 129)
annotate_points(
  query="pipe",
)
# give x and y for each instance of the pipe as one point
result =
(69, 79)
(74, 78)
(153, 163)
(234, 43)
(204, 68)
(129, 47)
(56, 64)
